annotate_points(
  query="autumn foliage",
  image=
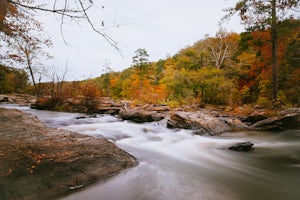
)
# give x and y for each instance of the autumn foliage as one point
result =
(224, 69)
(227, 69)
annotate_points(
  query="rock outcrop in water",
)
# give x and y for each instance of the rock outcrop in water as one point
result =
(209, 123)
(243, 146)
(253, 118)
(38, 162)
(288, 119)
(140, 115)
(200, 122)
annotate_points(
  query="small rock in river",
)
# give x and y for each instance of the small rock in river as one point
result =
(243, 146)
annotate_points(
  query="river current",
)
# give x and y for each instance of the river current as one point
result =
(174, 164)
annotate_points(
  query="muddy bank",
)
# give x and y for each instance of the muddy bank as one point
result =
(38, 162)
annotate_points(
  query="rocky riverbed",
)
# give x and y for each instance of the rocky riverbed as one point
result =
(38, 162)
(211, 122)
(203, 121)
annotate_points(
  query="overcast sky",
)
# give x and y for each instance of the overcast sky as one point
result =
(162, 27)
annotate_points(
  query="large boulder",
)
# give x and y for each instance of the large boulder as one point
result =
(200, 122)
(140, 115)
(279, 123)
(38, 162)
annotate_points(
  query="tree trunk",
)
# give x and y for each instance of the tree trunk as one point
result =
(32, 75)
(274, 53)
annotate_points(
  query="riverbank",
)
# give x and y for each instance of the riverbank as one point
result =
(202, 119)
(38, 162)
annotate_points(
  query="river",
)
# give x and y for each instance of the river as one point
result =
(177, 165)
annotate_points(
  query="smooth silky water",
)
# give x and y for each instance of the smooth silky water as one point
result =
(177, 165)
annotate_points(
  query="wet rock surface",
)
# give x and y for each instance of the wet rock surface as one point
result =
(252, 119)
(38, 162)
(279, 123)
(140, 115)
(243, 146)
(200, 122)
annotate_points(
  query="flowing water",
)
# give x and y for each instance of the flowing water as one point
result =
(177, 165)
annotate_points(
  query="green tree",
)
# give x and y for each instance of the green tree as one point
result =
(106, 79)
(13, 80)
(261, 15)
(141, 62)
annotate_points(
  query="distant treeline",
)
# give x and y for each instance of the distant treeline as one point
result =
(229, 68)
(225, 69)
(13, 80)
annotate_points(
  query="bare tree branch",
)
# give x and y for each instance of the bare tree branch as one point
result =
(106, 37)
(77, 11)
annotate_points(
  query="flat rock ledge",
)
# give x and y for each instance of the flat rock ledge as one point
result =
(207, 122)
(38, 162)
(288, 120)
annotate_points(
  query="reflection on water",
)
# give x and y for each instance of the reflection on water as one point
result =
(175, 164)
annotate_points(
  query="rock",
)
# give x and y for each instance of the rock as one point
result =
(161, 108)
(235, 123)
(252, 119)
(289, 111)
(21, 99)
(201, 123)
(140, 116)
(243, 146)
(48, 163)
(86, 117)
(157, 108)
(279, 123)
(81, 117)
(108, 106)
(108, 110)
(4, 99)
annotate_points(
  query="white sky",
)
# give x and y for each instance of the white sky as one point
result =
(162, 27)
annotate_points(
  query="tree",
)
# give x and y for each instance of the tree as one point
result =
(106, 79)
(262, 15)
(57, 84)
(90, 92)
(221, 47)
(26, 48)
(140, 61)
(13, 80)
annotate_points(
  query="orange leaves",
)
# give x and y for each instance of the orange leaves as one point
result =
(152, 93)
(39, 157)
(90, 93)
(90, 90)
(143, 91)
(3, 10)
